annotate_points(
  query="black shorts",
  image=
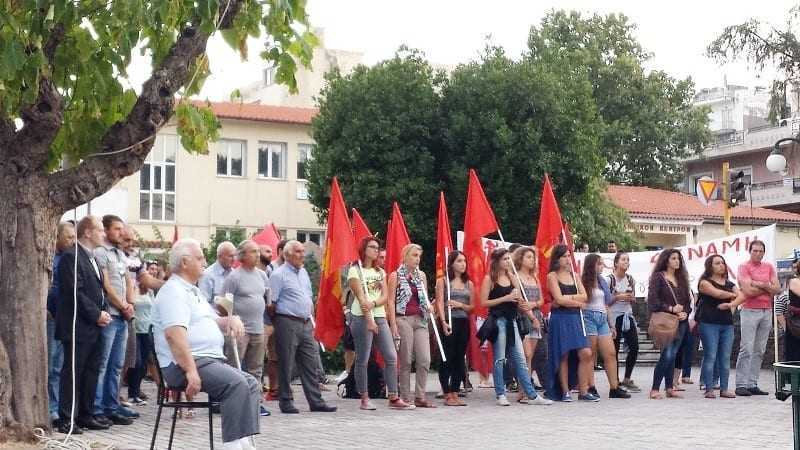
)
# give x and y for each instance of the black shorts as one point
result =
(347, 339)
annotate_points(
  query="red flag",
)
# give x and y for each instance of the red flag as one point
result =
(175, 234)
(443, 239)
(268, 236)
(548, 234)
(360, 229)
(339, 250)
(396, 239)
(478, 222)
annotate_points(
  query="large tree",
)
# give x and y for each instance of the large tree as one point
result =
(766, 47)
(63, 65)
(378, 131)
(649, 123)
(399, 131)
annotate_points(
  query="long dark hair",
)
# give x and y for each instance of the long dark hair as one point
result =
(558, 251)
(494, 265)
(663, 261)
(451, 274)
(589, 275)
(709, 269)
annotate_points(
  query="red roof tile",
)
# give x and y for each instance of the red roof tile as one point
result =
(262, 113)
(659, 204)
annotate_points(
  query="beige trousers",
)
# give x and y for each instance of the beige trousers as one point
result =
(414, 345)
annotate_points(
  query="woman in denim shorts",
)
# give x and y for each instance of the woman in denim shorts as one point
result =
(598, 329)
(525, 262)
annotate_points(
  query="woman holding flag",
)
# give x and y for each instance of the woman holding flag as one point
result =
(408, 315)
(567, 331)
(451, 372)
(502, 296)
(368, 323)
(528, 269)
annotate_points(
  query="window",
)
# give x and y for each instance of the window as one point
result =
(303, 156)
(157, 181)
(314, 237)
(269, 76)
(693, 181)
(271, 160)
(231, 158)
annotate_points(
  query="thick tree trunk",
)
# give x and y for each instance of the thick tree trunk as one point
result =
(27, 241)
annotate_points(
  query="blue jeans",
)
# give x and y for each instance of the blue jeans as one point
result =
(666, 362)
(55, 359)
(517, 357)
(717, 346)
(115, 338)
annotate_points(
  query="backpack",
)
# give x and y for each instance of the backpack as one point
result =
(376, 387)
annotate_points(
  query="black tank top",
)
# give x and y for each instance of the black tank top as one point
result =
(566, 289)
(504, 309)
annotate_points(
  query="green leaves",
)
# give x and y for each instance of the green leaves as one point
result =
(196, 126)
(90, 66)
(643, 114)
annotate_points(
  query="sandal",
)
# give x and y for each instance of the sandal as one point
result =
(656, 395)
(398, 403)
(422, 403)
(678, 389)
(451, 399)
(727, 394)
(710, 394)
(671, 393)
(687, 381)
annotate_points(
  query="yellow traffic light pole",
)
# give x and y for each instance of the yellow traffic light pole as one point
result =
(726, 207)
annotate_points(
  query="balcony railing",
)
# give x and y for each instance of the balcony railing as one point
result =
(773, 193)
(728, 139)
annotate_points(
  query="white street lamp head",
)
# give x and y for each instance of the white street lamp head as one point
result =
(776, 162)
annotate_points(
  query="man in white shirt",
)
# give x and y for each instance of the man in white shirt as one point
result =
(214, 276)
(188, 340)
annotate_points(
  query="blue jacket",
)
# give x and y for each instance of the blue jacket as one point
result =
(52, 294)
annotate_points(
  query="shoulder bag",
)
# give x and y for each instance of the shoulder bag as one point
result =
(663, 325)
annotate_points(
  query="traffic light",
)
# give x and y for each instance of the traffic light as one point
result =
(736, 188)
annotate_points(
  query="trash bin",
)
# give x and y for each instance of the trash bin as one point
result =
(787, 384)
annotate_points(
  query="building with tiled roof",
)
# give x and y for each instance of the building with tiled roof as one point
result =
(254, 174)
(670, 219)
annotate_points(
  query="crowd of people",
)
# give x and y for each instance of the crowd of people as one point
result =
(242, 329)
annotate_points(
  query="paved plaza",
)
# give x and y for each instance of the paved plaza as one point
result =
(637, 423)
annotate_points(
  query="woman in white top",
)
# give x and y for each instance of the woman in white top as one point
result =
(598, 328)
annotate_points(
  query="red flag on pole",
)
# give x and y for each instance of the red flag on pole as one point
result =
(339, 250)
(268, 236)
(443, 239)
(396, 239)
(360, 229)
(479, 221)
(548, 234)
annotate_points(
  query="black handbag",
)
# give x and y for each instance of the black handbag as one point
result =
(488, 331)
(524, 325)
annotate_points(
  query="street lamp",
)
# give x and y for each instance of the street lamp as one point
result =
(776, 162)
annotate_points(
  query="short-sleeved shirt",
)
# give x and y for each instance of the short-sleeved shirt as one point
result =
(115, 263)
(180, 303)
(762, 272)
(143, 309)
(213, 280)
(248, 288)
(373, 278)
(290, 291)
(621, 286)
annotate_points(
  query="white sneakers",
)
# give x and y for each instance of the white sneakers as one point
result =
(240, 444)
(540, 400)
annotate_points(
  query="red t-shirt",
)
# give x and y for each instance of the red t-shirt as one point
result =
(762, 272)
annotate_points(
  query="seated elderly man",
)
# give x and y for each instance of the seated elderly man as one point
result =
(188, 340)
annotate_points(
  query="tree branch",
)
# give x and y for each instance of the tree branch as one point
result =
(154, 107)
(41, 120)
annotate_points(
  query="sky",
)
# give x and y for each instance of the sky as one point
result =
(452, 32)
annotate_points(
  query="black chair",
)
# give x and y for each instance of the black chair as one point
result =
(165, 402)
